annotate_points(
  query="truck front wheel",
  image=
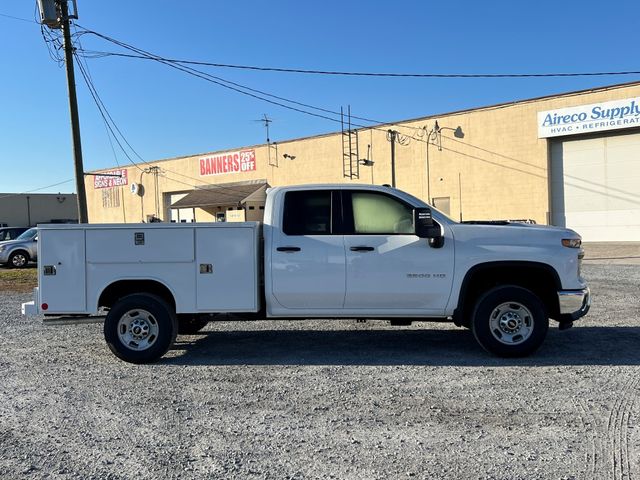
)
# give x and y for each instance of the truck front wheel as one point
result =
(140, 328)
(510, 321)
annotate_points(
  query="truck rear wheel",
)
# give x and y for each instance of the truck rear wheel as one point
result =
(190, 324)
(140, 328)
(510, 321)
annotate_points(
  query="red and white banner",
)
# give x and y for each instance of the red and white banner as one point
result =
(230, 162)
(109, 179)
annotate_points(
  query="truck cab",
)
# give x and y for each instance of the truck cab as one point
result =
(353, 252)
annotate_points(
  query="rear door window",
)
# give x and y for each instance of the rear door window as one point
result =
(307, 213)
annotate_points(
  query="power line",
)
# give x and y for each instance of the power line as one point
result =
(18, 18)
(210, 78)
(402, 139)
(232, 85)
(104, 114)
(418, 132)
(90, 54)
(142, 54)
(375, 74)
(106, 127)
(38, 189)
(110, 123)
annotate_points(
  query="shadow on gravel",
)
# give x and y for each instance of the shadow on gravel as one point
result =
(577, 346)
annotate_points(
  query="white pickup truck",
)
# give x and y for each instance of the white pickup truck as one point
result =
(323, 251)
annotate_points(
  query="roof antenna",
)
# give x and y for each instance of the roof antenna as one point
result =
(266, 120)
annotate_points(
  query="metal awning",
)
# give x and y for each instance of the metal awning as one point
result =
(225, 195)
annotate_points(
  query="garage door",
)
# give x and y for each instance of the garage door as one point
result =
(595, 185)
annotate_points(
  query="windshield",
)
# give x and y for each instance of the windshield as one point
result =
(29, 234)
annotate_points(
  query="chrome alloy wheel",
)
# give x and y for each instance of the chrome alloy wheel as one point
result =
(19, 260)
(511, 323)
(137, 329)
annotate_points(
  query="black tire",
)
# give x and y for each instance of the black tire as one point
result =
(190, 324)
(138, 311)
(510, 321)
(18, 259)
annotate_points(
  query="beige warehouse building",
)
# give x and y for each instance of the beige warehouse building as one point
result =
(30, 209)
(571, 159)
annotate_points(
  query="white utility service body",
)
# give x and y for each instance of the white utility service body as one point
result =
(79, 262)
(323, 251)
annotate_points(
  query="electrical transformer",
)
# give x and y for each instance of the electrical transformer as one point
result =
(49, 13)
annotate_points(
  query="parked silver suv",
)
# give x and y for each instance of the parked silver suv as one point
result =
(19, 252)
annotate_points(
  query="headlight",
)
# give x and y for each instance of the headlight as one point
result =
(572, 242)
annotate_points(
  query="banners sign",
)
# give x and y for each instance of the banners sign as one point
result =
(229, 162)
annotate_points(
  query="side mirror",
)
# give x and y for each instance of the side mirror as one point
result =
(424, 225)
(35, 239)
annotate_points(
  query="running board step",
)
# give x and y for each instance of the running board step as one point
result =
(73, 320)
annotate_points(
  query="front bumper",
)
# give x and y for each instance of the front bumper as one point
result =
(574, 303)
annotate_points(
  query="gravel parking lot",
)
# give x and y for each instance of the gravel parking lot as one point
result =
(313, 399)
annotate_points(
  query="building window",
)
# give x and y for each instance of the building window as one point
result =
(443, 204)
(110, 197)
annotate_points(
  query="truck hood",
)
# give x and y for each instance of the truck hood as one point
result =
(478, 243)
(517, 242)
(512, 232)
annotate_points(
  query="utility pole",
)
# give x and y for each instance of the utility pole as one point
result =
(391, 135)
(73, 110)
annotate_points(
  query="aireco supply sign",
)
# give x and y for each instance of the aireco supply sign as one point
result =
(590, 118)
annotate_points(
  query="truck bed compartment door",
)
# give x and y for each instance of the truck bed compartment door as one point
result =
(227, 268)
(62, 270)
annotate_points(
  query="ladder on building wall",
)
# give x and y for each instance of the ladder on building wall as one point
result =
(350, 156)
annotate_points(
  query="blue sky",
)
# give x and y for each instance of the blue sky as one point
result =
(166, 113)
